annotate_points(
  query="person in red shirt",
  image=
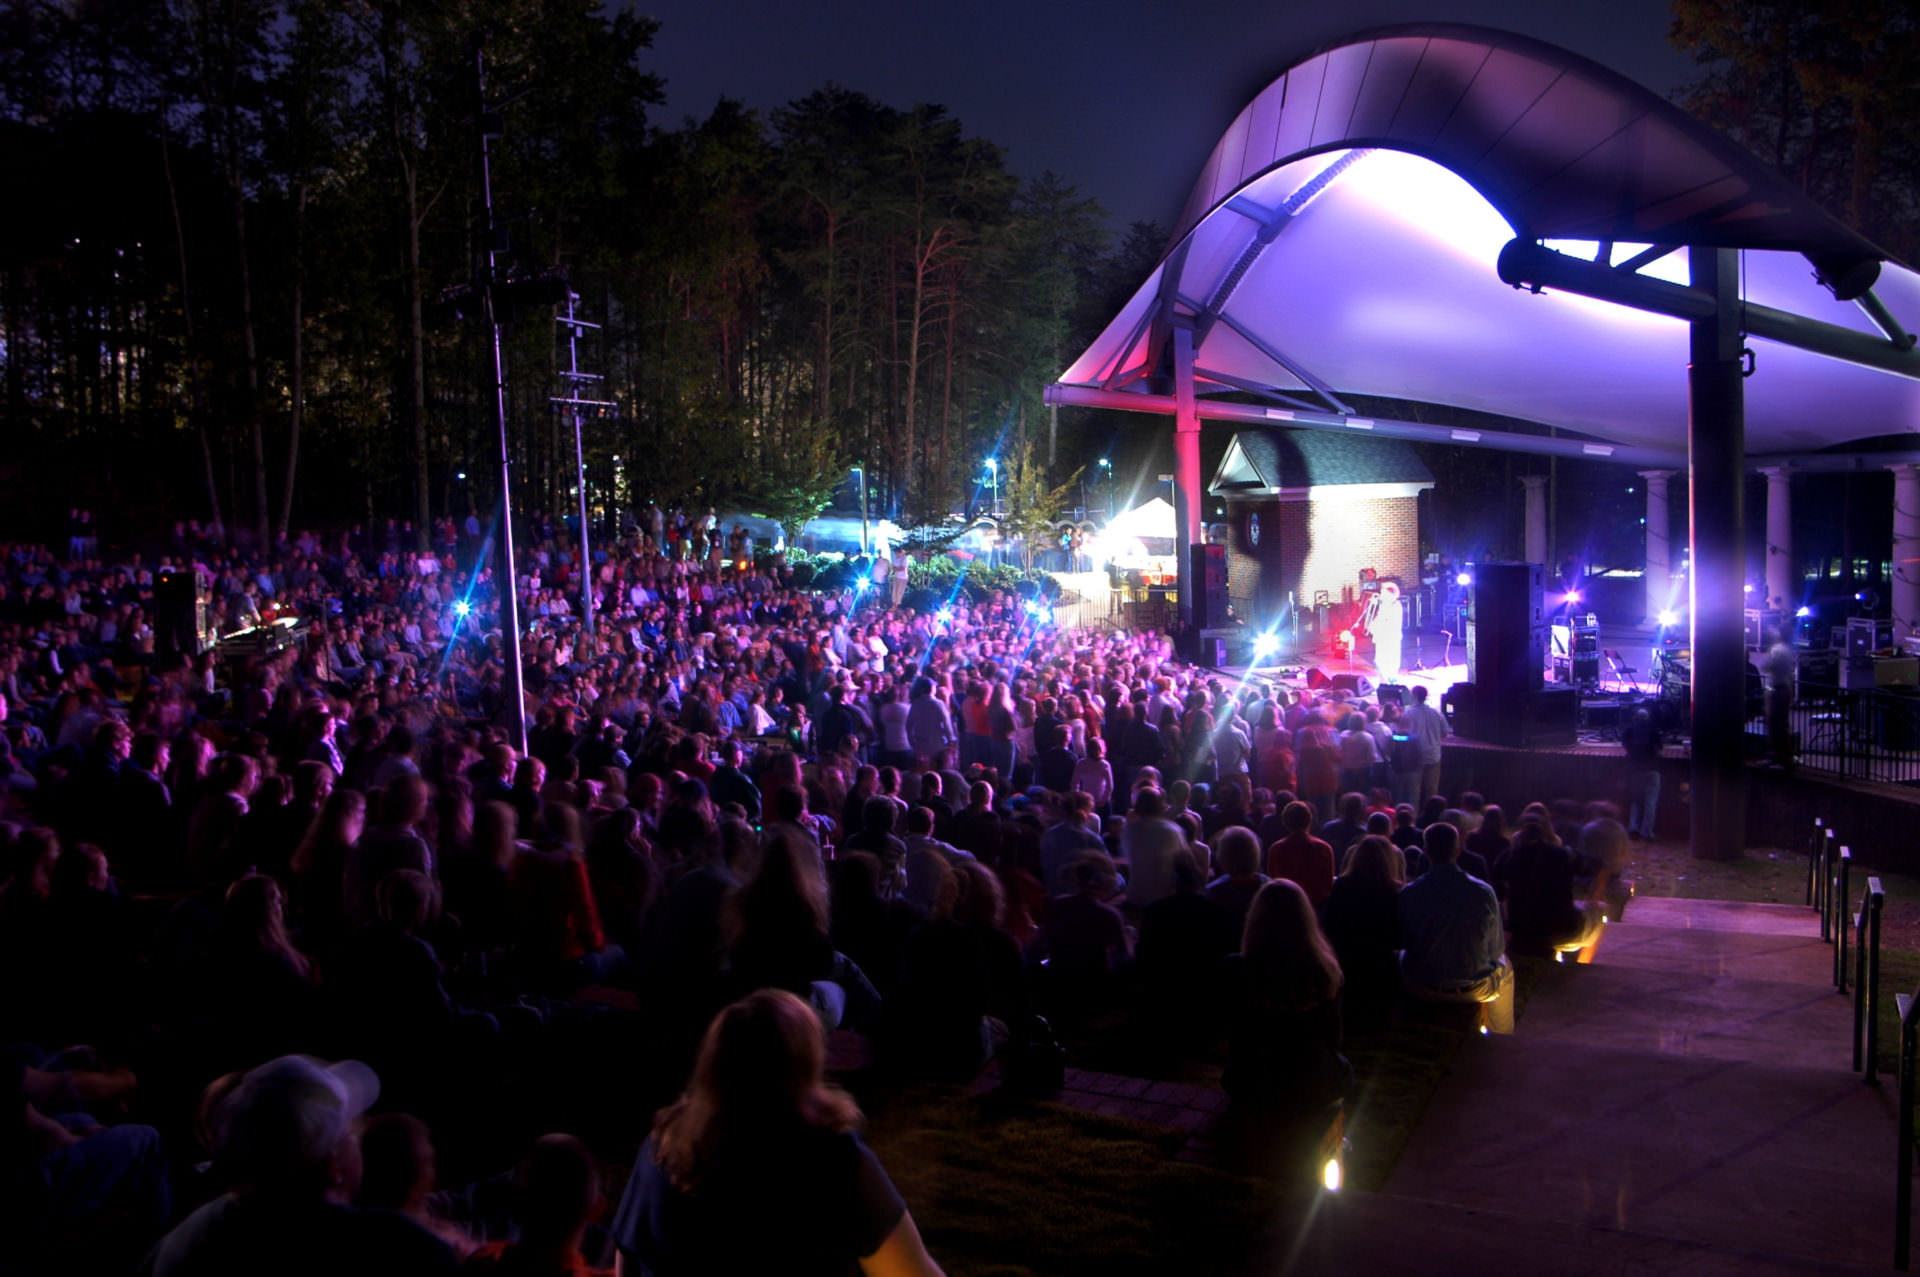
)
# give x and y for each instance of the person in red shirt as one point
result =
(1299, 856)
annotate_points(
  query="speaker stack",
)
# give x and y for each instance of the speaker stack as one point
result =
(1506, 658)
(1207, 566)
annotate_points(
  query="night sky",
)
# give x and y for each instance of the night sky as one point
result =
(1124, 98)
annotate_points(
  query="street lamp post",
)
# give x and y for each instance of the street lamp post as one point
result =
(1106, 477)
(993, 471)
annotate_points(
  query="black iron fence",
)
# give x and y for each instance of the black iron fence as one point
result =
(1861, 733)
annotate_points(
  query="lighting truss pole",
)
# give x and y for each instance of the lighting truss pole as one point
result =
(491, 127)
(571, 403)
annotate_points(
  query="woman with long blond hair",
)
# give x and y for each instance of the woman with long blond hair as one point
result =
(1284, 1058)
(759, 1165)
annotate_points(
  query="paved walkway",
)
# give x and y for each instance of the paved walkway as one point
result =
(1684, 1104)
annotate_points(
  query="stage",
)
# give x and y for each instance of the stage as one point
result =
(1437, 661)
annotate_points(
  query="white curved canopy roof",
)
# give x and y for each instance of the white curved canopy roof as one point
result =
(1344, 235)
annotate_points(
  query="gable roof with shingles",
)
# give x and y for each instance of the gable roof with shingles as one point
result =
(1281, 459)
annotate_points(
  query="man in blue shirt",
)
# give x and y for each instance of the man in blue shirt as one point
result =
(1455, 945)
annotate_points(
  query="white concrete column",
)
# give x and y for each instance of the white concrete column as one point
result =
(1659, 570)
(1783, 594)
(1906, 549)
(1536, 485)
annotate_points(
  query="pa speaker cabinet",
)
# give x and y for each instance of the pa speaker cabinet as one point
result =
(1552, 718)
(1507, 628)
(1207, 569)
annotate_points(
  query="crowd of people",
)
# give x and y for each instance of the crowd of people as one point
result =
(746, 814)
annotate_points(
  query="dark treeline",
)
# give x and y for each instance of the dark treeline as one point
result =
(232, 223)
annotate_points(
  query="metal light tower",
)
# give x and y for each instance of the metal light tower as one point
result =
(571, 403)
(491, 127)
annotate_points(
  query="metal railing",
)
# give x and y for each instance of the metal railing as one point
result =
(1866, 983)
(1909, 1008)
(1861, 733)
(1815, 845)
(1842, 892)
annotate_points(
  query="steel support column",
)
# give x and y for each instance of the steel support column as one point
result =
(1782, 593)
(1536, 543)
(1716, 448)
(1906, 549)
(1659, 567)
(1187, 496)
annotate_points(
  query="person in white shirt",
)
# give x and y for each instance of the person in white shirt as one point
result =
(1430, 727)
(1150, 844)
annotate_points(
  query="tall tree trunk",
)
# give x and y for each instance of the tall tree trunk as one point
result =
(186, 313)
(298, 368)
(262, 513)
(417, 366)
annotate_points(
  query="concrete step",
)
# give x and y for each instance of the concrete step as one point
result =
(1723, 915)
(1684, 1008)
(1775, 1160)
(1389, 1235)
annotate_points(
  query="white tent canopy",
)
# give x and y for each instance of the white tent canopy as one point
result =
(1151, 519)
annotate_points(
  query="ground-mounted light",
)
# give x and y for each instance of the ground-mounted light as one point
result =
(1331, 1175)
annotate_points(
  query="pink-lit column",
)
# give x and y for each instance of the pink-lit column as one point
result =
(1536, 485)
(1659, 573)
(1186, 466)
(1781, 594)
(1906, 549)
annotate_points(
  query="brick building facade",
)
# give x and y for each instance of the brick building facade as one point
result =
(1309, 510)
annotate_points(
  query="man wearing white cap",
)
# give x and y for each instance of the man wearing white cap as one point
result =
(288, 1136)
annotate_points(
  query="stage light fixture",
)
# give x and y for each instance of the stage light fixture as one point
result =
(1669, 617)
(1464, 579)
(461, 608)
(1803, 611)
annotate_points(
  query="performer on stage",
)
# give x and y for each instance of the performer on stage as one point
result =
(1385, 619)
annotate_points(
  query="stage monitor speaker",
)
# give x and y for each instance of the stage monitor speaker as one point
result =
(1319, 677)
(1208, 572)
(1552, 718)
(1355, 684)
(1393, 694)
(1507, 629)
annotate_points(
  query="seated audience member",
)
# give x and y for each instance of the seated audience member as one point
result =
(1472, 861)
(1408, 838)
(558, 1195)
(868, 926)
(876, 836)
(1081, 945)
(1283, 1055)
(287, 1135)
(1362, 921)
(1455, 946)
(928, 860)
(759, 1167)
(963, 992)
(1075, 837)
(1236, 853)
(1490, 840)
(1348, 828)
(780, 936)
(1183, 937)
(1541, 909)
(1605, 853)
(397, 1173)
(67, 1175)
(1301, 858)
